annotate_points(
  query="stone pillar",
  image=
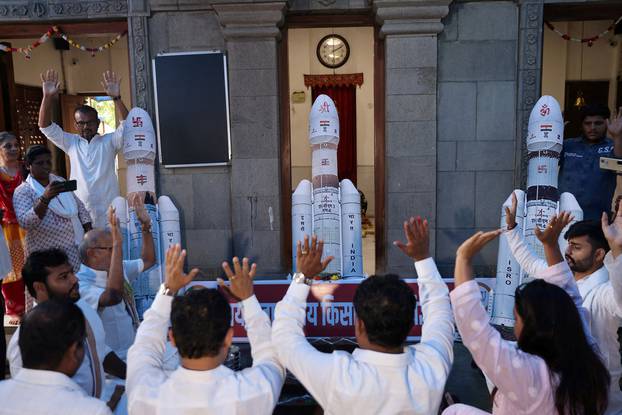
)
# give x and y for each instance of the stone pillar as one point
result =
(251, 32)
(140, 63)
(409, 29)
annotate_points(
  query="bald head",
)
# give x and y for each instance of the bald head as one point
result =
(94, 239)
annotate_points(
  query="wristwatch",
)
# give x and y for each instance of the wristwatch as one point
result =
(300, 278)
(164, 290)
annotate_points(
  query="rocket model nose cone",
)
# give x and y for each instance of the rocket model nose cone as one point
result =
(323, 120)
(138, 135)
(167, 207)
(546, 126)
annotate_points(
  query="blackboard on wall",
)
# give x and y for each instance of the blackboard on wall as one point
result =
(192, 108)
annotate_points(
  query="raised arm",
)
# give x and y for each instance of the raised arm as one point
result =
(50, 85)
(113, 293)
(614, 128)
(266, 366)
(500, 360)
(145, 357)
(112, 85)
(437, 335)
(613, 259)
(310, 366)
(526, 258)
(148, 250)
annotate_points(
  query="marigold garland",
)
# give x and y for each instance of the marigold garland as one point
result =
(589, 40)
(27, 51)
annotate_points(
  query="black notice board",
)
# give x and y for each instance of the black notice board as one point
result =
(192, 108)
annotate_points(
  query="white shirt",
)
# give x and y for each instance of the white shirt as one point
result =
(44, 392)
(84, 375)
(117, 321)
(368, 382)
(603, 301)
(151, 390)
(93, 166)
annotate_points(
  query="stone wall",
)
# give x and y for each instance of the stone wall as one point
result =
(476, 124)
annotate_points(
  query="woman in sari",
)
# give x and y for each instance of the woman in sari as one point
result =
(11, 176)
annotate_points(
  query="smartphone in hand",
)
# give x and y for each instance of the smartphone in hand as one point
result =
(69, 186)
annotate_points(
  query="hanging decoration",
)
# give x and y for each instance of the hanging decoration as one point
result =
(28, 49)
(589, 40)
(55, 30)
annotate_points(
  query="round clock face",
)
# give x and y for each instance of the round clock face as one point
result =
(333, 51)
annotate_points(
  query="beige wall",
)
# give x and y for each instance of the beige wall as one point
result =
(79, 71)
(302, 45)
(562, 59)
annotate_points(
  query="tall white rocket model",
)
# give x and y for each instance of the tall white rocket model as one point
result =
(325, 207)
(139, 152)
(536, 207)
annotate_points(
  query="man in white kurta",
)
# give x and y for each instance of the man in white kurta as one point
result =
(602, 298)
(376, 378)
(202, 384)
(92, 156)
(53, 334)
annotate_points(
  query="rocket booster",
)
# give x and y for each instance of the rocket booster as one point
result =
(536, 206)
(323, 206)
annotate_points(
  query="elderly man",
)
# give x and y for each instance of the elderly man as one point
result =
(105, 279)
(92, 155)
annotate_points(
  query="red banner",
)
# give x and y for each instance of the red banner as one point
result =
(333, 317)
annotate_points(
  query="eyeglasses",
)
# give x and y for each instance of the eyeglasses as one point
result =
(85, 123)
(107, 248)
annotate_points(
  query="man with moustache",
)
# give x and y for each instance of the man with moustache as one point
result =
(49, 275)
(585, 254)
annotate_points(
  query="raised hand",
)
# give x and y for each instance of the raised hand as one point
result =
(53, 189)
(613, 232)
(241, 279)
(614, 124)
(510, 213)
(111, 84)
(141, 213)
(550, 234)
(49, 82)
(475, 243)
(418, 239)
(309, 257)
(115, 229)
(175, 277)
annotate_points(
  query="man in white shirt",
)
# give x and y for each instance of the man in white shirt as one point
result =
(92, 156)
(48, 275)
(105, 279)
(52, 347)
(586, 252)
(201, 330)
(382, 376)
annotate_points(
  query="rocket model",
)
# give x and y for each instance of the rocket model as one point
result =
(139, 152)
(536, 206)
(325, 207)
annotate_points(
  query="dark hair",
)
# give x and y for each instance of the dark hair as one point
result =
(35, 267)
(590, 228)
(553, 330)
(593, 110)
(386, 305)
(48, 331)
(200, 321)
(35, 151)
(86, 109)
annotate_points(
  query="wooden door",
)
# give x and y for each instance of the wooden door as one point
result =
(8, 112)
(68, 105)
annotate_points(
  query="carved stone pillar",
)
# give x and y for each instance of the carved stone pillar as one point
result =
(140, 63)
(251, 32)
(410, 29)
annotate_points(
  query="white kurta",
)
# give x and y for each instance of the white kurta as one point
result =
(603, 301)
(151, 390)
(44, 392)
(84, 375)
(117, 321)
(93, 166)
(368, 382)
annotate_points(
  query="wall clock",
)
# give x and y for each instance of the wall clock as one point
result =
(333, 51)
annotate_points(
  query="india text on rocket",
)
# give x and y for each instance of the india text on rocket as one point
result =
(536, 206)
(324, 206)
(139, 151)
